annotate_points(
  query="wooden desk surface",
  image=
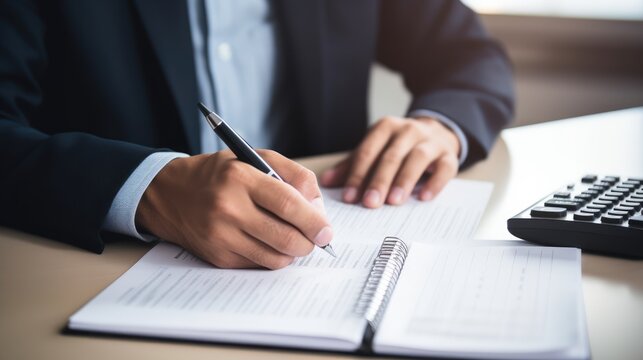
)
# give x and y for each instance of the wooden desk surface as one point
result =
(43, 282)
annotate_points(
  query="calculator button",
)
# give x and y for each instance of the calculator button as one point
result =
(627, 186)
(636, 196)
(599, 188)
(579, 215)
(619, 191)
(611, 199)
(602, 202)
(611, 219)
(636, 221)
(622, 189)
(548, 212)
(562, 194)
(630, 182)
(595, 212)
(590, 192)
(638, 180)
(611, 179)
(583, 197)
(635, 205)
(600, 208)
(567, 204)
(588, 179)
(617, 213)
(628, 209)
(619, 195)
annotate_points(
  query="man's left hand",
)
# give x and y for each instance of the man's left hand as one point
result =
(393, 156)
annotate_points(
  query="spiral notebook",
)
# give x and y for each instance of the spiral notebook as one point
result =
(422, 300)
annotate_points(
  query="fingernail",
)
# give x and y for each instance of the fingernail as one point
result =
(318, 203)
(327, 176)
(396, 195)
(324, 236)
(372, 198)
(350, 194)
(426, 196)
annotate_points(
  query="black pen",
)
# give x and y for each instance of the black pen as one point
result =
(243, 150)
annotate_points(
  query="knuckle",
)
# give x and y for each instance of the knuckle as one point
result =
(393, 154)
(279, 262)
(449, 161)
(423, 151)
(285, 206)
(225, 261)
(309, 176)
(223, 208)
(389, 120)
(290, 241)
(233, 171)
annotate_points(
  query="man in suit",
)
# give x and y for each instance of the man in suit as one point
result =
(100, 133)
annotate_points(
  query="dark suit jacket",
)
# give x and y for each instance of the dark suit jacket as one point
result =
(88, 89)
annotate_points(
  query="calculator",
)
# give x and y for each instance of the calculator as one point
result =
(600, 214)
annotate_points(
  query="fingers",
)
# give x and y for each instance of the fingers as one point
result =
(446, 168)
(261, 254)
(244, 251)
(289, 205)
(392, 158)
(366, 155)
(277, 234)
(414, 166)
(336, 176)
(299, 177)
(389, 164)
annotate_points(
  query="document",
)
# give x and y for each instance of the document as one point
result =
(484, 302)
(453, 216)
(434, 292)
(170, 289)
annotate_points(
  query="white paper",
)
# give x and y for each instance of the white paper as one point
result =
(452, 216)
(171, 293)
(484, 302)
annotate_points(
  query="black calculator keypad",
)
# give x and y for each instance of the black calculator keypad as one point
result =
(601, 214)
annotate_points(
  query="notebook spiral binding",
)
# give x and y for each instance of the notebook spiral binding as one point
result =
(381, 281)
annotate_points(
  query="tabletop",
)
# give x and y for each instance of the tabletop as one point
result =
(43, 282)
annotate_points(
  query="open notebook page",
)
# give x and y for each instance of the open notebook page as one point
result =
(484, 302)
(170, 293)
(452, 216)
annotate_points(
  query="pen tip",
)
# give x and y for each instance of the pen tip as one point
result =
(204, 109)
(329, 250)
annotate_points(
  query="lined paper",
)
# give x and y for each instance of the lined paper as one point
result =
(484, 301)
(452, 216)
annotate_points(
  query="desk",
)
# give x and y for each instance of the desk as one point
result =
(43, 282)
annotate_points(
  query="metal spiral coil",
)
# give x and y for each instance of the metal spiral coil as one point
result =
(382, 279)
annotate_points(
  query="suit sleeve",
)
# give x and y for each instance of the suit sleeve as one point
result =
(450, 65)
(61, 185)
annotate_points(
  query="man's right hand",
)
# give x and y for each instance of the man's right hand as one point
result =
(231, 214)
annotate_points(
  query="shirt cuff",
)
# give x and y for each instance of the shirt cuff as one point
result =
(121, 215)
(446, 121)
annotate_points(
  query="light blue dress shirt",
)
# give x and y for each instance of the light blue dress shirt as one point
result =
(236, 58)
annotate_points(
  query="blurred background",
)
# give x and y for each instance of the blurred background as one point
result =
(570, 57)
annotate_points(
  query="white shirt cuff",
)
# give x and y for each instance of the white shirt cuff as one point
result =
(446, 121)
(121, 216)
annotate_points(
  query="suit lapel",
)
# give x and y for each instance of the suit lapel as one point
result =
(303, 31)
(167, 26)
